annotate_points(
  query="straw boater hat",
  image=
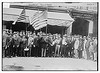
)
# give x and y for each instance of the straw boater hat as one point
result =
(15, 33)
(43, 34)
(64, 35)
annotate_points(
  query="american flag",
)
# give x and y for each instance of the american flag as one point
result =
(41, 25)
(34, 17)
(40, 20)
(22, 17)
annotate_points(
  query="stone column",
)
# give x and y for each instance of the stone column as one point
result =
(90, 29)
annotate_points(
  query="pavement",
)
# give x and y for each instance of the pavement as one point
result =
(33, 63)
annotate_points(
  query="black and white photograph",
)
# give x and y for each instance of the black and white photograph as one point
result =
(49, 36)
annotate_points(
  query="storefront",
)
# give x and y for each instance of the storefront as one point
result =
(85, 22)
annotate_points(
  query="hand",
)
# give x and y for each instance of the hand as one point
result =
(17, 45)
(6, 47)
(13, 45)
(34, 45)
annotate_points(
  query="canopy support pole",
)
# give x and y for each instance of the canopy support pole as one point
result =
(46, 29)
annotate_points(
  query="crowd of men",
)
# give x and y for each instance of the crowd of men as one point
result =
(21, 44)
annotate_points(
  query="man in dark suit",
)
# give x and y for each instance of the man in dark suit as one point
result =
(42, 46)
(16, 44)
(80, 48)
(35, 47)
(49, 46)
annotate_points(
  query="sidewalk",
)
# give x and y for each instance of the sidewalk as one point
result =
(31, 63)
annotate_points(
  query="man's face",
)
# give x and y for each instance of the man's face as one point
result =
(84, 37)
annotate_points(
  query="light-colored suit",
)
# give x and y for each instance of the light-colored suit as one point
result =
(76, 45)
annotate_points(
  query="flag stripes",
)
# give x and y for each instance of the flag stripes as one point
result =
(39, 20)
(39, 17)
(21, 17)
(33, 17)
(38, 24)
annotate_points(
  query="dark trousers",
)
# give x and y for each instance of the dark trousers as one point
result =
(16, 51)
(79, 54)
(53, 50)
(70, 52)
(49, 51)
(22, 52)
(64, 51)
(36, 51)
(19, 51)
(26, 53)
(33, 51)
(8, 51)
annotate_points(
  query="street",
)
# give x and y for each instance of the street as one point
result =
(31, 63)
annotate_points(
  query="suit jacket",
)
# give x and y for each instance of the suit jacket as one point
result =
(42, 43)
(35, 41)
(23, 43)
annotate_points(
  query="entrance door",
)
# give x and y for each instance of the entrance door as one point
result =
(80, 27)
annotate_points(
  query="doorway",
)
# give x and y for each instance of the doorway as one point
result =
(80, 27)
